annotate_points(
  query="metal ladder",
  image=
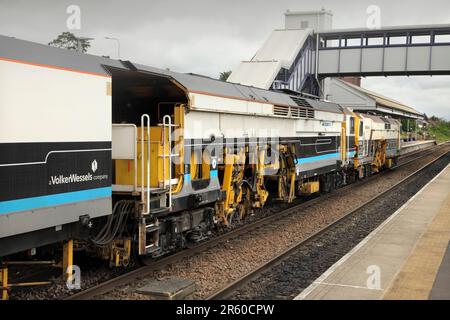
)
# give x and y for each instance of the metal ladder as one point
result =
(145, 163)
(151, 229)
(167, 123)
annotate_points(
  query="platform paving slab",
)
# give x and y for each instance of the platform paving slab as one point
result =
(416, 278)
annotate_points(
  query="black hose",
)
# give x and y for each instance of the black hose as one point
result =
(115, 223)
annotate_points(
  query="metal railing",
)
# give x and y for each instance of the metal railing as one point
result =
(389, 37)
(167, 123)
(145, 163)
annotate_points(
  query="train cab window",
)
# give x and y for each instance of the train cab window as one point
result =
(352, 125)
(361, 128)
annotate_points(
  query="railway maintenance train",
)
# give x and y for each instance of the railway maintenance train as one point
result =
(122, 157)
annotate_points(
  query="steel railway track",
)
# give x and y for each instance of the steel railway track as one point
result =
(228, 291)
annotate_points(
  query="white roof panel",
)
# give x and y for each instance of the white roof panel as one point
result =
(283, 46)
(279, 51)
(260, 74)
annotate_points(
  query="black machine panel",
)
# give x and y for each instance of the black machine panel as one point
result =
(39, 169)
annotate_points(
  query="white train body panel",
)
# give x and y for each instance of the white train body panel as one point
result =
(55, 146)
(53, 105)
(232, 118)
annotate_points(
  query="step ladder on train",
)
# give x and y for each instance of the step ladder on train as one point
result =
(148, 225)
(149, 235)
(168, 181)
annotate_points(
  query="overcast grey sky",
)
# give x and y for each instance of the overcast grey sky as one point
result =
(210, 36)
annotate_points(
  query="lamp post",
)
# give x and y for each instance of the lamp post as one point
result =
(118, 44)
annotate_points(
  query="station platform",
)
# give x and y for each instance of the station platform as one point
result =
(411, 146)
(406, 258)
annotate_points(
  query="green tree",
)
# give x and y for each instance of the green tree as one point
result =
(440, 129)
(224, 75)
(69, 41)
(412, 125)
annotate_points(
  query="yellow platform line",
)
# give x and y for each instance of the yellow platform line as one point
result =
(415, 279)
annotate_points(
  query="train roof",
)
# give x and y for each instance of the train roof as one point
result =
(13, 49)
(202, 84)
(42, 55)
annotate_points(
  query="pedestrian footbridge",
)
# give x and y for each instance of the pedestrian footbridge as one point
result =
(415, 50)
(297, 59)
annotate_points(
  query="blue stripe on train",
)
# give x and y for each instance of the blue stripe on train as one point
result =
(318, 158)
(212, 174)
(53, 200)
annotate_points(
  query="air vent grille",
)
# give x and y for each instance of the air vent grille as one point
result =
(281, 111)
(293, 112)
(301, 102)
(302, 112)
